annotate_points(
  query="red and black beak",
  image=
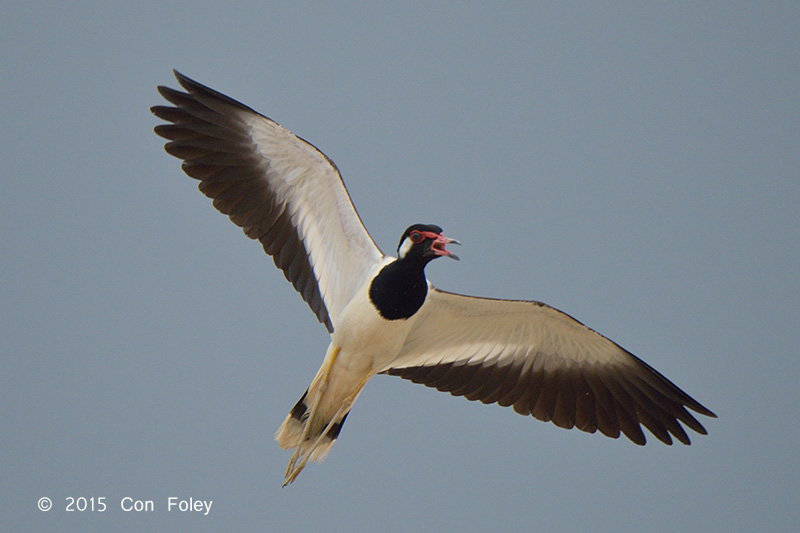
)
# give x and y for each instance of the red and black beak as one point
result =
(438, 246)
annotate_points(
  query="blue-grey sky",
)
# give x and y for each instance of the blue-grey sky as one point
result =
(635, 166)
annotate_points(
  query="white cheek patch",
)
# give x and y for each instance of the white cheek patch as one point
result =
(404, 248)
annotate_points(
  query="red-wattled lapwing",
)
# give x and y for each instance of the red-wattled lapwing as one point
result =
(383, 315)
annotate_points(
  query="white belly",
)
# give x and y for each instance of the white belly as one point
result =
(368, 342)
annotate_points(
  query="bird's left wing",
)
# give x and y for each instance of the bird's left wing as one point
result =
(279, 188)
(544, 363)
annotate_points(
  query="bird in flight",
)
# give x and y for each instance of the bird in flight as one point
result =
(383, 315)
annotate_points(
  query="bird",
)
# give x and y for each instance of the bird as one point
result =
(383, 315)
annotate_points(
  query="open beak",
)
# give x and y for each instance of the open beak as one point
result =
(438, 246)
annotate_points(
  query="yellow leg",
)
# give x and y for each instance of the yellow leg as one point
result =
(292, 472)
(322, 385)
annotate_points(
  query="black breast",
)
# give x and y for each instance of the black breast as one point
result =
(399, 290)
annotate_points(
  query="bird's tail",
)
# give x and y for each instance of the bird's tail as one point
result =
(314, 423)
(314, 443)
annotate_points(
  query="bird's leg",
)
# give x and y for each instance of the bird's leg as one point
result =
(293, 471)
(321, 383)
(306, 428)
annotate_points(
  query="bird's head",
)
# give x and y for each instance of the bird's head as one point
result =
(424, 242)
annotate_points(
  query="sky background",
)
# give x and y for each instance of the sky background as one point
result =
(637, 167)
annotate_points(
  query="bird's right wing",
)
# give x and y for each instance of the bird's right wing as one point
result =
(279, 188)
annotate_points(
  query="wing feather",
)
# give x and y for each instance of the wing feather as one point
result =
(277, 187)
(542, 363)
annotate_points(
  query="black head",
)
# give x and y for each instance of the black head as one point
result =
(424, 242)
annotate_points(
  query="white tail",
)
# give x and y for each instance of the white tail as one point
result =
(313, 424)
(314, 444)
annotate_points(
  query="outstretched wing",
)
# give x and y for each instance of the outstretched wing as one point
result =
(279, 188)
(543, 363)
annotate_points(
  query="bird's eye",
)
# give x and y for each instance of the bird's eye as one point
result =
(416, 237)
